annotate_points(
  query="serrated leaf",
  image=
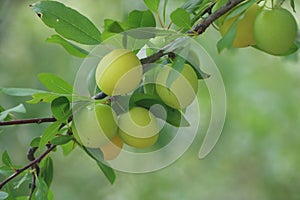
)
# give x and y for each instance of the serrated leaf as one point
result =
(35, 142)
(41, 189)
(181, 18)
(3, 195)
(152, 5)
(55, 84)
(46, 167)
(18, 109)
(137, 19)
(67, 22)
(107, 171)
(68, 46)
(63, 139)
(46, 97)
(20, 91)
(6, 160)
(49, 133)
(60, 107)
(227, 40)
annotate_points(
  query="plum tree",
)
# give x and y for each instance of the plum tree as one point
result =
(244, 32)
(138, 127)
(95, 125)
(275, 31)
(119, 72)
(182, 90)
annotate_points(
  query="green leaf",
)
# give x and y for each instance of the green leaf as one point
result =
(68, 148)
(227, 40)
(46, 97)
(63, 139)
(68, 46)
(41, 189)
(67, 22)
(25, 178)
(181, 18)
(20, 91)
(152, 5)
(107, 171)
(6, 171)
(60, 107)
(18, 109)
(292, 3)
(111, 28)
(35, 142)
(49, 133)
(46, 167)
(137, 19)
(165, 10)
(240, 9)
(6, 160)
(55, 84)
(3, 195)
(191, 5)
(174, 74)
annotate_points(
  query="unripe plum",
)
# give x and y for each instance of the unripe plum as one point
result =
(95, 125)
(275, 31)
(244, 32)
(138, 128)
(182, 90)
(119, 72)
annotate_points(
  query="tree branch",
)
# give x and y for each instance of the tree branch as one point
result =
(32, 163)
(28, 121)
(205, 23)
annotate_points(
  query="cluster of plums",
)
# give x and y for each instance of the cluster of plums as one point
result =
(272, 30)
(120, 72)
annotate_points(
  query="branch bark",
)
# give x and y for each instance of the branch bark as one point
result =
(28, 121)
(205, 23)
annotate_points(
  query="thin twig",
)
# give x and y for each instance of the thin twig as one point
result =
(28, 121)
(32, 163)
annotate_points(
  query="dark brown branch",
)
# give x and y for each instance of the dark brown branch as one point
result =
(205, 23)
(28, 121)
(32, 163)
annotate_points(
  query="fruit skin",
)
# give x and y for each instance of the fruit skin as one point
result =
(95, 125)
(138, 128)
(182, 90)
(244, 31)
(112, 149)
(119, 72)
(275, 31)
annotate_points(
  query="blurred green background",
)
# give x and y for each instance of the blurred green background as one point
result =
(257, 156)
